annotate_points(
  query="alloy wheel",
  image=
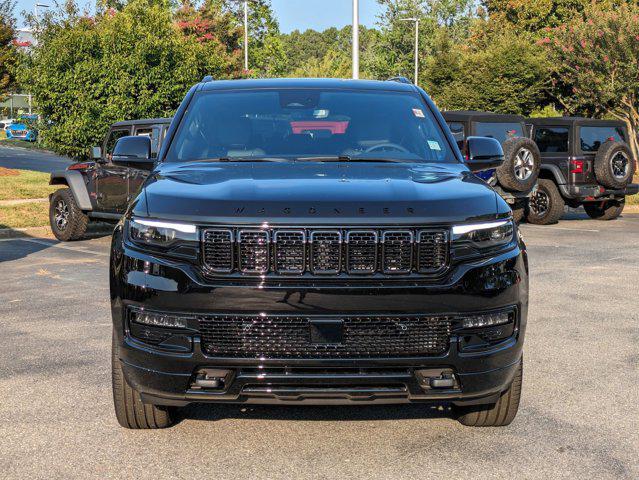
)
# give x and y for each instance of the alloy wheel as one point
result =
(61, 215)
(620, 164)
(539, 203)
(524, 164)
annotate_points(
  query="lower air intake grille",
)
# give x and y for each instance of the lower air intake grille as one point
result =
(289, 337)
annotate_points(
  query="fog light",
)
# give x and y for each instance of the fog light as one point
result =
(487, 320)
(161, 320)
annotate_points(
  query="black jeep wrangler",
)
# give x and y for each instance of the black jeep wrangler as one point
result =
(585, 162)
(99, 189)
(516, 179)
(315, 242)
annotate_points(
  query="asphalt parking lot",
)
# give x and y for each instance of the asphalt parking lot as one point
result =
(578, 417)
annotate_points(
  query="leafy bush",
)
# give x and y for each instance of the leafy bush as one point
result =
(88, 72)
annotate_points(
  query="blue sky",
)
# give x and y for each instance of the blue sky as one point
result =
(292, 14)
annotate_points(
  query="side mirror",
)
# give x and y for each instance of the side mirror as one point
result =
(484, 153)
(133, 152)
(96, 153)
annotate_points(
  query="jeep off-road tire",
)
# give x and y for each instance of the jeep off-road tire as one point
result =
(130, 411)
(522, 162)
(67, 221)
(614, 165)
(608, 211)
(546, 206)
(499, 414)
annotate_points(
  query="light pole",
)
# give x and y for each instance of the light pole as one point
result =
(35, 10)
(416, 20)
(355, 39)
(246, 35)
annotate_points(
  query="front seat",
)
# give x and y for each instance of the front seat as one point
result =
(234, 135)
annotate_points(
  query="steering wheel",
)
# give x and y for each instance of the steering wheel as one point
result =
(386, 147)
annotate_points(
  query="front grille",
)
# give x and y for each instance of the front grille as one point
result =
(290, 251)
(289, 337)
(254, 251)
(361, 251)
(325, 251)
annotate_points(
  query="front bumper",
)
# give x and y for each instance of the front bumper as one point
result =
(164, 377)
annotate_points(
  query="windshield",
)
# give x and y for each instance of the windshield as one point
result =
(309, 125)
(498, 130)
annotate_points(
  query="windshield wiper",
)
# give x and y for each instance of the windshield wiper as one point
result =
(348, 158)
(241, 159)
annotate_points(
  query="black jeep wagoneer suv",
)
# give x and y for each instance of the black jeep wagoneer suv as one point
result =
(315, 242)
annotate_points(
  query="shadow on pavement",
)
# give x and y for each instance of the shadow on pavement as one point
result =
(17, 244)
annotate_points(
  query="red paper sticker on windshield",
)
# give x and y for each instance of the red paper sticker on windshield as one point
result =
(418, 112)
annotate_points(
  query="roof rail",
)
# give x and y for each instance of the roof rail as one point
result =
(400, 80)
(207, 78)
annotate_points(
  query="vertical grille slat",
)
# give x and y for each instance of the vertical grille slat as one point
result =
(330, 251)
(432, 250)
(397, 248)
(361, 251)
(254, 251)
(326, 251)
(290, 251)
(218, 250)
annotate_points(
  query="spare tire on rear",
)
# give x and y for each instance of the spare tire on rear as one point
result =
(522, 162)
(614, 165)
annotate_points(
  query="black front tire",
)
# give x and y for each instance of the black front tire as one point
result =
(607, 211)
(546, 206)
(499, 414)
(130, 411)
(67, 221)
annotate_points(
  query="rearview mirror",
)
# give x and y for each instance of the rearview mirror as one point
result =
(484, 153)
(133, 151)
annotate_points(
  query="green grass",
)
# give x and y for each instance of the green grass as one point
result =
(633, 199)
(12, 142)
(32, 214)
(26, 184)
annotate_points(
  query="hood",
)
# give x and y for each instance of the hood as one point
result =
(317, 193)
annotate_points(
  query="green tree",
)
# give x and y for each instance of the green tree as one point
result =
(534, 16)
(595, 61)
(394, 52)
(504, 72)
(8, 53)
(87, 73)
(267, 56)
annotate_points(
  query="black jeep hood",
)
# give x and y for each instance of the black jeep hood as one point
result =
(318, 193)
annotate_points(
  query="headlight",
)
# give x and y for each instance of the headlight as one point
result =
(162, 234)
(485, 235)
